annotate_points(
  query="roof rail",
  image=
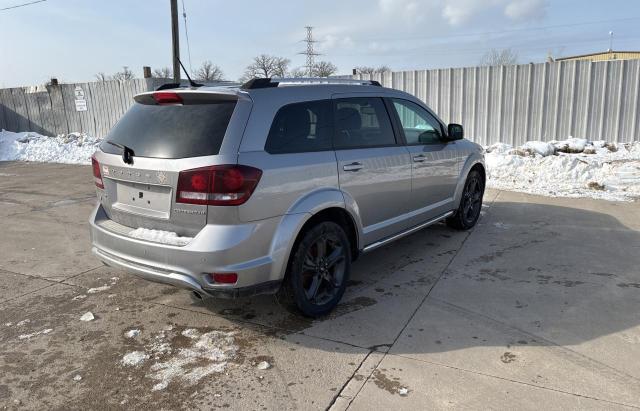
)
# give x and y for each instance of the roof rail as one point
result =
(292, 81)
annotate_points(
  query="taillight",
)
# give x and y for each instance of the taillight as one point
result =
(224, 185)
(97, 177)
(167, 98)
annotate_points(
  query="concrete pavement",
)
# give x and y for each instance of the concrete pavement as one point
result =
(538, 305)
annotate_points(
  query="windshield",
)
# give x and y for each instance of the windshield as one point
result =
(175, 131)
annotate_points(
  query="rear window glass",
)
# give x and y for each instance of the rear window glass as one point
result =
(171, 131)
(301, 127)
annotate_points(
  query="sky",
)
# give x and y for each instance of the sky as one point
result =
(73, 40)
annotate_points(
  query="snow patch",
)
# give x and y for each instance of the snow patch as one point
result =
(132, 333)
(35, 334)
(263, 365)
(79, 297)
(190, 333)
(77, 377)
(134, 358)
(207, 355)
(72, 148)
(159, 236)
(98, 289)
(23, 322)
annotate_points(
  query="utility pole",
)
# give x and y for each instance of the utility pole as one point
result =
(175, 41)
(310, 53)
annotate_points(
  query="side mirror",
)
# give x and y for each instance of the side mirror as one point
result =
(455, 131)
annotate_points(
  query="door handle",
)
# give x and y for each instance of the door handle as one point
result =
(353, 166)
(419, 158)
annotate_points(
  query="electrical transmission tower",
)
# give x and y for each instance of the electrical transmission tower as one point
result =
(310, 53)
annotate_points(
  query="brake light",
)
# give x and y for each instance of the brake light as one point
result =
(97, 177)
(223, 185)
(167, 98)
(225, 278)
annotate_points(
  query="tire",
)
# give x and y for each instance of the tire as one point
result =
(318, 270)
(468, 212)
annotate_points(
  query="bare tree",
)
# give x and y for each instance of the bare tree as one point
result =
(264, 66)
(164, 72)
(125, 74)
(372, 70)
(298, 72)
(324, 69)
(208, 72)
(495, 57)
(101, 76)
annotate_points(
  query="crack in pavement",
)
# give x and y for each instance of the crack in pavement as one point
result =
(52, 282)
(442, 273)
(514, 381)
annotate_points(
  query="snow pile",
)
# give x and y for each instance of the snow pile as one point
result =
(72, 148)
(159, 236)
(570, 168)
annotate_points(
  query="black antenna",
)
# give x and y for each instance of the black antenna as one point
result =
(193, 83)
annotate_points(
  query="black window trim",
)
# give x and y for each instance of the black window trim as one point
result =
(398, 140)
(398, 123)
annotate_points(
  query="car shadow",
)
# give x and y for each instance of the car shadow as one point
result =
(528, 274)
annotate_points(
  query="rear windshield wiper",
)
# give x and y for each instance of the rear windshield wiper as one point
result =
(127, 152)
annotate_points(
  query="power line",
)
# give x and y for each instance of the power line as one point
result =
(22, 5)
(503, 31)
(310, 53)
(186, 35)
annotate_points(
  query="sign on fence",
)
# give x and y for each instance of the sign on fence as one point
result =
(79, 93)
(81, 105)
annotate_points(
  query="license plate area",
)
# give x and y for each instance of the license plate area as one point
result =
(143, 199)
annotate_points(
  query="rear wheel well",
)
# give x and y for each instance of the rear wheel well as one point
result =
(339, 216)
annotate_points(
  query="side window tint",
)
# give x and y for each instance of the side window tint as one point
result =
(362, 122)
(419, 126)
(301, 127)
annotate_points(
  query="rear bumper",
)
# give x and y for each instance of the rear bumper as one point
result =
(242, 249)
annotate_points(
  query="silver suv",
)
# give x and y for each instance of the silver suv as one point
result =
(275, 185)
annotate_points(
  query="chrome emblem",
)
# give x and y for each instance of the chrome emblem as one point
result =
(162, 177)
(105, 170)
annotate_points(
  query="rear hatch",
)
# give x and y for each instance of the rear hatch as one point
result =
(140, 161)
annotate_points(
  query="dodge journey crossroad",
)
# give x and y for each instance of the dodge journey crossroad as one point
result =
(275, 186)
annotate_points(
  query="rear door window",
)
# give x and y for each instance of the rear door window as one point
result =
(362, 122)
(301, 127)
(179, 131)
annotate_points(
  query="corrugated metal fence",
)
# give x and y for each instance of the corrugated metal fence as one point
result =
(514, 104)
(51, 110)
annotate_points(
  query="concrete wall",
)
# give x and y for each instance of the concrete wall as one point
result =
(514, 104)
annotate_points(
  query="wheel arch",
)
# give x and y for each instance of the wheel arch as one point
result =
(473, 162)
(318, 206)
